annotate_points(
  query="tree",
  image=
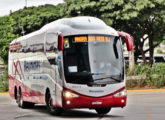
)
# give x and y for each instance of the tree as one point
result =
(33, 18)
(149, 24)
(7, 35)
(139, 18)
(25, 20)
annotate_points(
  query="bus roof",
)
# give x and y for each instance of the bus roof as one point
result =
(73, 26)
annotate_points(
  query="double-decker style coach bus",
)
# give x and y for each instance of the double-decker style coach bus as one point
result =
(69, 63)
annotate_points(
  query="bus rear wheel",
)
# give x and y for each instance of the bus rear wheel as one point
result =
(51, 109)
(102, 110)
(21, 103)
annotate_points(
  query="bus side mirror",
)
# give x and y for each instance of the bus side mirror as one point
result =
(128, 39)
(60, 42)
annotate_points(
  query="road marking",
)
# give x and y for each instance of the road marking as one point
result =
(148, 113)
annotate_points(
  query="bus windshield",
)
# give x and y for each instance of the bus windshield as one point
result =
(93, 59)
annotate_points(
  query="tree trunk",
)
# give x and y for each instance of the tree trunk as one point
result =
(136, 52)
(143, 57)
(131, 60)
(151, 50)
(142, 53)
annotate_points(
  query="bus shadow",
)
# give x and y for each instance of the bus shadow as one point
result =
(40, 108)
(74, 113)
(85, 114)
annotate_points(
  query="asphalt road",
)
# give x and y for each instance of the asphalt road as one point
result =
(149, 105)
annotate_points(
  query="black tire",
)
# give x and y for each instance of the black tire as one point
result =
(15, 93)
(21, 103)
(51, 109)
(102, 110)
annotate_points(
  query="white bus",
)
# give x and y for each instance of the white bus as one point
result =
(69, 63)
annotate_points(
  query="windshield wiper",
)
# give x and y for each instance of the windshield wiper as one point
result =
(108, 77)
(83, 73)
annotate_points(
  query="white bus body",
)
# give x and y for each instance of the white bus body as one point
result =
(87, 73)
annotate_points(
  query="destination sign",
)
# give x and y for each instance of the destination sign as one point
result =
(80, 39)
(92, 38)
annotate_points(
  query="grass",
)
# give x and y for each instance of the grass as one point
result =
(152, 77)
(4, 81)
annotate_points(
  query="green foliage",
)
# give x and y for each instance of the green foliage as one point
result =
(146, 45)
(163, 42)
(33, 18)
(7, 35)
(159, 51)
(139, 18)
(138, 70)
(134, 17)
(4, 81)
(150, 76)
(158, 73)
(131, 84)
(27, 19)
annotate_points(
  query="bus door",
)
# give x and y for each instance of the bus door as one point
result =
(52, 67)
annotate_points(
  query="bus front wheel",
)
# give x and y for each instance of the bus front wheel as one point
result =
(102, 110)
(51, 109)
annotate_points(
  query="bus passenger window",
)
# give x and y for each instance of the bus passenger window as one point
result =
(52, 61)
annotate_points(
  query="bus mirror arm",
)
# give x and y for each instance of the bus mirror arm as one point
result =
(60, 42)
(115, 48)
(128, 39)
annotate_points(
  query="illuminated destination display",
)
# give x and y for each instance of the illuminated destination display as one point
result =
(92, 38)
(80, 39)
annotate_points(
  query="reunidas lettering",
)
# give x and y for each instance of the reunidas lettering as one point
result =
(33, 65)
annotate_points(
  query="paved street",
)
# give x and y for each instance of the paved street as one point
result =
(140, 106)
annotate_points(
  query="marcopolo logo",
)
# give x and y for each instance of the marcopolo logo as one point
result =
(96, 91)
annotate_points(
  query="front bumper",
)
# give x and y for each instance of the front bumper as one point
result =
(94, 102)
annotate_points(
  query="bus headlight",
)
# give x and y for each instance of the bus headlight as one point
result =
(68, 94)
(121, 93)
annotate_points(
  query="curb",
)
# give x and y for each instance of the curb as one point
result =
(4, 93)
(143, 90)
